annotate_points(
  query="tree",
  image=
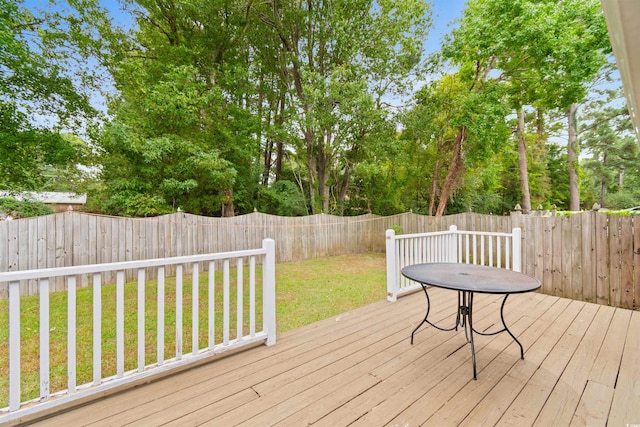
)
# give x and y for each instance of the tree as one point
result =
(545, 63)
(338, 60)
(41, 94)
(612, 151)
(183, 132)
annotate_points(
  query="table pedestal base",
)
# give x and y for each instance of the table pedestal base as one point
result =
(464, 317)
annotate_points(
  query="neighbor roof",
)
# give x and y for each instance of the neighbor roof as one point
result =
(49, 197)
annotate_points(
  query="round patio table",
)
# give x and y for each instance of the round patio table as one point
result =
(469, 279)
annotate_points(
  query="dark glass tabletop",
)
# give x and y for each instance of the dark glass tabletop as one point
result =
(471, 278)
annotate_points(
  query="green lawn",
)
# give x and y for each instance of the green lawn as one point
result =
(306, 292)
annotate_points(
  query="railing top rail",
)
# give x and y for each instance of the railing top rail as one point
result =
(433, 233)
(124, 265)
(448, 232)
(485, 233)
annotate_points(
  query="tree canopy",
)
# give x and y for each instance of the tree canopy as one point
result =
(40, 98)
(220, 107)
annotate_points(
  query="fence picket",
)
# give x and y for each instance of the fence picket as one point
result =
(626, 262)
(615, 250)
(577, 248)
(588, 255)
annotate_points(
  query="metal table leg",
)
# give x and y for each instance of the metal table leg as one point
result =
(459, 319)
(469, 311)
(464, 316)
(504, 329)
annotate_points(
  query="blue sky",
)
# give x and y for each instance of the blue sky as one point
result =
(444, 13)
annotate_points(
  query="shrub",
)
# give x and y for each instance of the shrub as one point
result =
(24, 208)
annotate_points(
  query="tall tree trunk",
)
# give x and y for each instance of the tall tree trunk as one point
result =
(603, 181)
(268, 153)
(621, 179)
(455, 169)
(280, 144)
(434, 187)
(323, 180)
(280, 153)
(344, 186)
(312, 168)
(227, 203)
(542, 138)
(522, 163)
(574, 195)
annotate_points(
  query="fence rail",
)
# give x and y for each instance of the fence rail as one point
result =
(223, 316)
(589, 256)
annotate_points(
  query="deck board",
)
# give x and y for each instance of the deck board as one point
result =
(625, 408)
(581, 367)
(563, 400)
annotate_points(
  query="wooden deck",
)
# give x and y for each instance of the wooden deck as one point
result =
(581, 367)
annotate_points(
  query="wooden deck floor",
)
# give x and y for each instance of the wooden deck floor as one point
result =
(581, 367)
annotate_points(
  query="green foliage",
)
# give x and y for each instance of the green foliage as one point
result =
(282, 198)
(338, 60)
(612, 162)
(430, 130)
(44, 88)
(558, 172)
(36, 55)
(181, 134)
(221, 107)
(133, 204)
(23, 208)
(374, 188)
(541, 63)
(623, 199)
(396, 229)
(29, 156)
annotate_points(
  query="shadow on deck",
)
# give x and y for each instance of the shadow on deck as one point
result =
(581, 367)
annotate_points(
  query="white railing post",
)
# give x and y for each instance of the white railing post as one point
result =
(392, 262)
(71, 334)
(516, 247)
(120, 279)
(269, 290)
(195, 315)
(14, 346)
(97, 329)
(452, 250)
(44, 339)
(141, 320)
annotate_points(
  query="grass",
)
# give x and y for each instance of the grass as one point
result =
(306, 292)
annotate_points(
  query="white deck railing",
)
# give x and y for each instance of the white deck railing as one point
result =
(243, 335)
(503, 250)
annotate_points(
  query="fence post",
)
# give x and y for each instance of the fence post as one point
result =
(516, 248)
(452, 255)
(392, 262)
(516, 217)
(269, 290)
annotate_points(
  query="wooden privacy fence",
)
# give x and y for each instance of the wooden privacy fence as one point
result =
(588, 256)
